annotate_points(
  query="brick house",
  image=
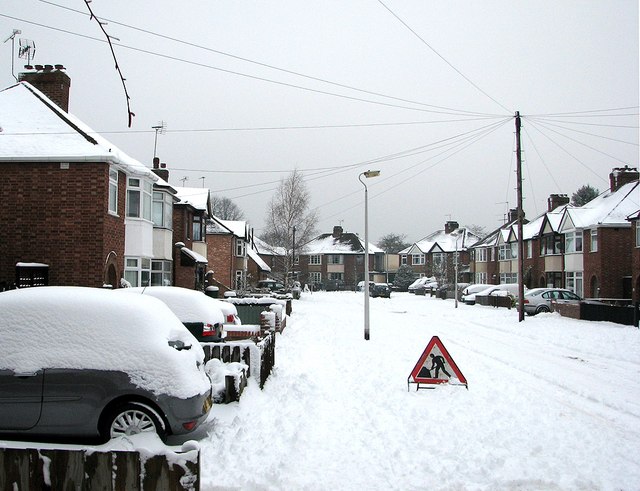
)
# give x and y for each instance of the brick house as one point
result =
(589, 249)
(73, 203)
(437, 253)
(336, 261)
(234, 263)
(599, 240)
(190, 215)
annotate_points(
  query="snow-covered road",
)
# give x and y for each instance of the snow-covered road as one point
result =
(552, 403)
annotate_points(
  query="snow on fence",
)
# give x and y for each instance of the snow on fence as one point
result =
(32, 468)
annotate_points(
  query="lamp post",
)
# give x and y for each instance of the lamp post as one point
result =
(367, 174)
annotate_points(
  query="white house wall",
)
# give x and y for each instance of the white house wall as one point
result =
(574, 262)
(162, 244)
(138, 241)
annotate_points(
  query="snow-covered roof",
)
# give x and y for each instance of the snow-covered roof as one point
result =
(440, 241)
(262, 247)
(197, 257)
(236, 227)
(258, 260)
(345, 243)
(196, 197)
(607, 209)
(35, 129)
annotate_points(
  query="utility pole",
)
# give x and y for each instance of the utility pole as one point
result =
(520, 220)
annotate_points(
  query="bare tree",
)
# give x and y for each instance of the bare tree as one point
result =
(288, 214)
(393, 243)
(225, 209)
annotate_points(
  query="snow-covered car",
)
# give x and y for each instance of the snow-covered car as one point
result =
(83, 362)
(538, 300)
(474, 288)
(420, 283)
(503, 289)
(202, 315)
(379, 290)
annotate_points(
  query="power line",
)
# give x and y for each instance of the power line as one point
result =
(442, 57)
(245, 75)
(547, 124)
(265, 65)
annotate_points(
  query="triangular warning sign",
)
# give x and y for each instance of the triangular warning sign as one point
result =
(436, 366)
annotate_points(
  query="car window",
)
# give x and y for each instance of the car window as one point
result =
(570, 296)
(546, 295)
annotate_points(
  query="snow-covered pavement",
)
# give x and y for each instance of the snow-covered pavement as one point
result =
(553, 403)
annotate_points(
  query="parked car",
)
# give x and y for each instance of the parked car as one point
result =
(271, 285)
(502, 289)
(202, 315)
(83, 362)
(539, 300)
(474, 288)
(420, 282)
(379, 290)
(360, 286)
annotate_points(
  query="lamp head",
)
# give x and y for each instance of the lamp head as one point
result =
(371, 173)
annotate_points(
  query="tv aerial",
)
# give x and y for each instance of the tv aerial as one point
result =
(27, 50)
(12, 38)
(161, 128)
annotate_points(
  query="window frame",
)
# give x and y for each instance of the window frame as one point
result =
(112, 205)
(315, 260)
(593, 240)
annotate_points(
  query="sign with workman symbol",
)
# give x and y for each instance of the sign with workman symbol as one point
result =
(436, 366)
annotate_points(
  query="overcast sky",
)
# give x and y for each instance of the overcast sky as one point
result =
(424, 91)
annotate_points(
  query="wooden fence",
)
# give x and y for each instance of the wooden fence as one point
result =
(60, 469)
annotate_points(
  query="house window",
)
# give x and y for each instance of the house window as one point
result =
(315, 277)
(296, 260)
(529, 249)
(573, 242)
(137, 271)
(637, 233)
(594, 240)
(493, 254)
(504, 252)
(508, 278)
(514, 250)
(403, 259)
(481, 255)
(573, 282)
(160, 273)
(198, 227)
(241, 247)
(417, 259)
(139, 198)
(113, 191)
(551, 245)
(316, 259)
(335, 259)
(336, 276)
(481, 277)
(438, 259)
(240, 279)
(162, 210)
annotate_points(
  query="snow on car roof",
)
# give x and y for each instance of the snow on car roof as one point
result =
(91, 328)
(187, 305)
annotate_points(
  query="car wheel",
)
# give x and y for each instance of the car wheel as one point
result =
(132, 418)
(542, 308)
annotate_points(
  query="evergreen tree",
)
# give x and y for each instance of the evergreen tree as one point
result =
(583, 195)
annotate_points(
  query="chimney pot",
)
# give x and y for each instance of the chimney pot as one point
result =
(39, 67)
(337, 231)
(156, 162)
(163, 165)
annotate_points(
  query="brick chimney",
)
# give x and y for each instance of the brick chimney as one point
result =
(160, 169)
(50, 80)
(337, 231)
(622, 175)
(556, 200)
(450, 226)
(513, 215)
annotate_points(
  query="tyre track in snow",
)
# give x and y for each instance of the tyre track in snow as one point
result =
(625, 420)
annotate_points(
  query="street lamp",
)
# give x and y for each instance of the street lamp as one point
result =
(367, 174)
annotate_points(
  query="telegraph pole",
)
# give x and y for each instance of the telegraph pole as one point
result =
(520, 220)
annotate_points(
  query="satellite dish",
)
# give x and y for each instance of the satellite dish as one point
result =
(27, 50)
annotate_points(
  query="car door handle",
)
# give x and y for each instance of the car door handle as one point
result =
(25, 374)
